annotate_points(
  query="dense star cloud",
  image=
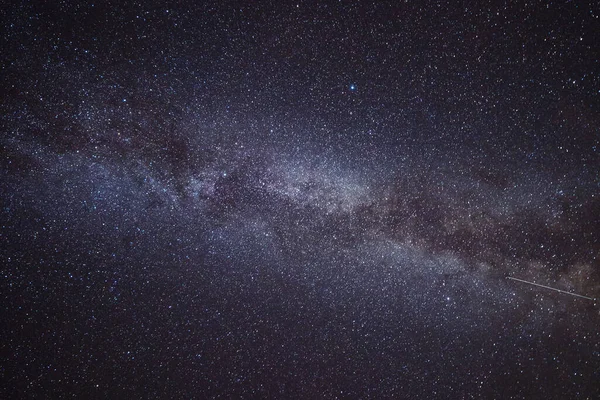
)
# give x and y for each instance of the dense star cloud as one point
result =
(300, 200)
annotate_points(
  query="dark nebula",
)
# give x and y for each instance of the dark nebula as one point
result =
(300, 200)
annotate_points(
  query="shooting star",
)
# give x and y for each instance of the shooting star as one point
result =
(551, 288)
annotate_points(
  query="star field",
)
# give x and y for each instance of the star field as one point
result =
(300, 200)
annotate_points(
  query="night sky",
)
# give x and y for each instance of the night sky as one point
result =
(300, 200)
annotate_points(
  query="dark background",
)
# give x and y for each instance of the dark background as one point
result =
(299, 199)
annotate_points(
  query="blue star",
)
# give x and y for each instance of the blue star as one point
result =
(352, 87)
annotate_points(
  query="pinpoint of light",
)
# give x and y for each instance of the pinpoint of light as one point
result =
(353, 87)
(551, 288)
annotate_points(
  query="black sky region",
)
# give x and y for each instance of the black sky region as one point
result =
(300, 200)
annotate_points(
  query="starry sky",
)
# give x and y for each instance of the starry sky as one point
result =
(309, 199)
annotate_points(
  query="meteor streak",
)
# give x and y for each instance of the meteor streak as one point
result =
(551, 288)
